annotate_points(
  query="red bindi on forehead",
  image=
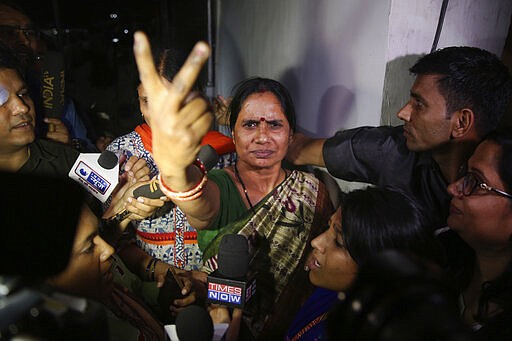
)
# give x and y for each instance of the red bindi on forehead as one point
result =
(262, 119)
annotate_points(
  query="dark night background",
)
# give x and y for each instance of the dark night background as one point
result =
(96, 38)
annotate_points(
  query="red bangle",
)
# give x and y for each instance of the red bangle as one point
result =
(192, 194)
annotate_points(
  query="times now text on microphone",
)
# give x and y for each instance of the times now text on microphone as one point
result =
(230, 292)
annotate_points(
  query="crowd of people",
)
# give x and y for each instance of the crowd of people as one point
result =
(442, 198)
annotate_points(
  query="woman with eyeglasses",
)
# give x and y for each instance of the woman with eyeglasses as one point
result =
(480, 250)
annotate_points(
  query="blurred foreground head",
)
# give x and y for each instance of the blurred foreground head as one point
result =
(397, 297)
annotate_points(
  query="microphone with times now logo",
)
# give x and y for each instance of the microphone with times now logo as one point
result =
(229, 285)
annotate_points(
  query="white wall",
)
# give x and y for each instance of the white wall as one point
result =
(411, 33)
(329, 53)
(345, 61)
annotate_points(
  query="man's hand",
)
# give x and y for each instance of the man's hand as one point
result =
(177, 124)
(57, 131)
(305, 150)
(194, 290)
(219, 313)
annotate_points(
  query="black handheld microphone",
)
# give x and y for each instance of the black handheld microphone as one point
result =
(98, 173)
(208, 156)
(194, 324)
(150, 190)
(108, 159)
(229, 284)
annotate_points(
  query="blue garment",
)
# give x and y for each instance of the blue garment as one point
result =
(309, 323)
(70, 117)
(76, 127)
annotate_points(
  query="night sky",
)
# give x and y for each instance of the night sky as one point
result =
(96, 38)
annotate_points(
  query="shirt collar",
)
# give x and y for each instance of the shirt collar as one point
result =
(37, 154)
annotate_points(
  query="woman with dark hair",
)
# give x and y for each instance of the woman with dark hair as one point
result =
(260, 85)
(276, 209)
(479, 243)
(260, 143)
(89, 276)
(158, 235)
(370, 220)
(168, 238)
(386, 218)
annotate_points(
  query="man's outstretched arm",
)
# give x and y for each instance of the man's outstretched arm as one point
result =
(305, 150)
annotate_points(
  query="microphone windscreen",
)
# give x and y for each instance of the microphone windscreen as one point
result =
(208, 156)
(107, 159)
(221, 143)
(233, 256)
(150, 190)
(194, 323)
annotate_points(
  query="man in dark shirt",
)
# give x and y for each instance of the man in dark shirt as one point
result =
(20, 151)
(459, 95)
(18, 33)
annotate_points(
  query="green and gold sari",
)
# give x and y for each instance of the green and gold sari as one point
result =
(279, 228)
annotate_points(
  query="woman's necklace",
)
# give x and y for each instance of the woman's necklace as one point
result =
(237, 175)
(243, 187)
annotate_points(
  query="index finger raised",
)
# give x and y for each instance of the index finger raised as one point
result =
(147, 71)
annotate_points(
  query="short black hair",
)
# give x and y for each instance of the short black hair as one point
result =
(10, 60)
(168, 62)
(471, 78)
(253, 85)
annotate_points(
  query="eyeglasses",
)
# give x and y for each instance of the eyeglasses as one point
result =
(29, 32)
(470, 183)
